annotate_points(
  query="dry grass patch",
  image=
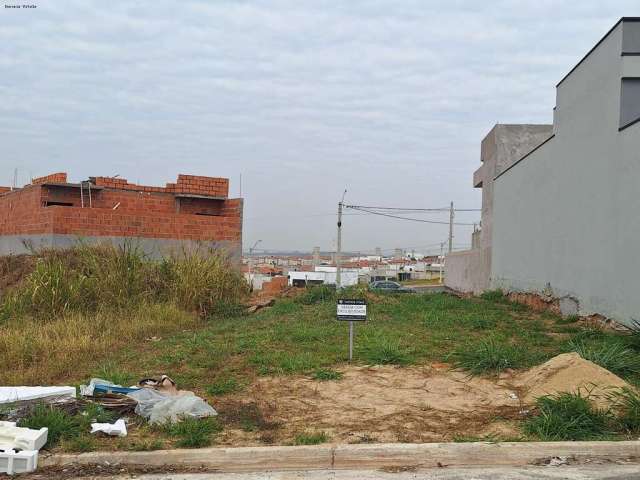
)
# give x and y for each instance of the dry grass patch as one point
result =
(70, 346)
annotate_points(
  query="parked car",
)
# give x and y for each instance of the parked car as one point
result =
(389, 286)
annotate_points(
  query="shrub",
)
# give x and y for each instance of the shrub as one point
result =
(86, 279)
(310, 438)
(627, 407)
(61, 425)
(208, 284)
(324, 374)
(193, 432)
(613, 355)
(316, 294)
(487, 356)
(567, 416)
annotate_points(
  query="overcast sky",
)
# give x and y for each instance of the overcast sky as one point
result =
(388, 99)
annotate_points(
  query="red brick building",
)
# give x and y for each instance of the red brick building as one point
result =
(194, 211)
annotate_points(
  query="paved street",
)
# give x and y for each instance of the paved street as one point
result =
(581, 472)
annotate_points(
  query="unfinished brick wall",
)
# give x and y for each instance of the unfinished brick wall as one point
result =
(21, 213)
(60, 177)
(275, 285)
(117, 208)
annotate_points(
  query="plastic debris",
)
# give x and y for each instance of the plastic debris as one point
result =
(160, 407)
(12, 462)
(19, 438)
(117, 429)
(98, 385)
(19, 394)
(158, 400)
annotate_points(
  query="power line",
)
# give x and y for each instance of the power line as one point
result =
(355, 207)
(443, 209)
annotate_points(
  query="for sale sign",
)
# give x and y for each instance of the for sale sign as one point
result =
(352, 310)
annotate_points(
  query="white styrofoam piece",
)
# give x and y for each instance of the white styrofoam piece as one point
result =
(22, 438)
(16, 394)
(118, 428)
(12, 462)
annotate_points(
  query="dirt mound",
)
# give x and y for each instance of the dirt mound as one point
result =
(386, 403)
(568, 372)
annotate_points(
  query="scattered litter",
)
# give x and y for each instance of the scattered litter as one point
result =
(557, 461)
(513, 395)
(161, 407)
(13, 462)
(114, 402)
(260, 303)
(98, 385)
(165, 385)
(157, 400)
(23, 408)
(117, 429)
(19, 438)
(19, 448)
(18, 394)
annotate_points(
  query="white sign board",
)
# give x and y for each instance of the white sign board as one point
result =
(352, 310)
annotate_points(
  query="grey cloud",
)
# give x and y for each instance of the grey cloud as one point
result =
(388, 98)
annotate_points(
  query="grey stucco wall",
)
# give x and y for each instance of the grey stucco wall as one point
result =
(470, 271)
(567, 217)
(153, 247)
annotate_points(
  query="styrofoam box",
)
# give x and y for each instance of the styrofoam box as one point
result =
(12, 462)
(28, 438)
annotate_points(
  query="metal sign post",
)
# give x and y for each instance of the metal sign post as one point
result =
(351, 310)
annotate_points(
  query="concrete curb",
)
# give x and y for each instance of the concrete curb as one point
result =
(371, 456)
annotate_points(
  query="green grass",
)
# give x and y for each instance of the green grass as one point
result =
(381, 350)
(611, 353)
(325, 374)
(61, 425)
(298, 338)
(311, 438)
(193, 432)
(568, 416)
(489, 356)
(222, 386)
(494, 296)
(627, 406)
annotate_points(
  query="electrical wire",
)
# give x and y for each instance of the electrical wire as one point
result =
(406, 218)
(443, 209)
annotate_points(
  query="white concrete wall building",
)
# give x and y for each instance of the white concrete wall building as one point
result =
(566, 217)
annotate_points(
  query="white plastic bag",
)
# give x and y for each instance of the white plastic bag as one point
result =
(161, 408)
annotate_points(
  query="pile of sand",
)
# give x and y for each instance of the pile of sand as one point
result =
(568, 372)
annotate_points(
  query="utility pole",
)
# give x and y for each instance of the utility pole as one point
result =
(441, 259)
(338, 260)
(339, 248)
(451, 215)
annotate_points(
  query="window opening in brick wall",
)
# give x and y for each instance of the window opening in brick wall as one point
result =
(58, 204)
